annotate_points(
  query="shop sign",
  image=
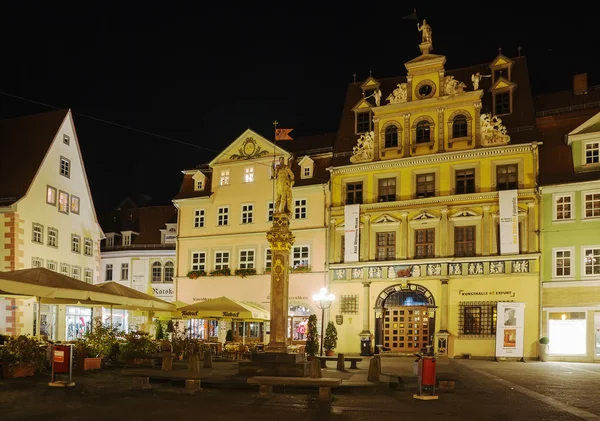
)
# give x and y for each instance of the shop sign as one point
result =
(59, 356)
(163, 292)
(351, 232)
(510, 323)
(231, 314)
(487, 293)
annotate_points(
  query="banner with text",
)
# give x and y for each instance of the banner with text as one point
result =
(351, 232)
(510, 322)
(509, 222)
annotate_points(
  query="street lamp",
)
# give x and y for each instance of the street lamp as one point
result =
(323, 301)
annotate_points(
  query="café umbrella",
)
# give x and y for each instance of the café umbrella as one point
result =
(223, 308)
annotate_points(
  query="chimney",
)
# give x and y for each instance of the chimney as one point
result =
(580, 84)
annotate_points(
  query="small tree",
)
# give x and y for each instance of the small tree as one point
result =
(330, 341)
(170, 326)
(229, 336)
(312, 336)
(160, 334)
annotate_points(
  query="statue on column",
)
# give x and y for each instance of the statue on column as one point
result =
(284, 179)
(426, 32)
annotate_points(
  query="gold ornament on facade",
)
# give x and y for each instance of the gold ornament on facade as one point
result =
(493, 132)
(453, 86)
(399, 95)
(280, 240)
(363, 151)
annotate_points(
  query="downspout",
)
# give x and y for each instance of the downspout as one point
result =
(326, 218)
(177, 252)
(540, 202)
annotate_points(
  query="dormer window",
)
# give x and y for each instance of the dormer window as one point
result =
(363, 122)
(368, 95)
(110, 240)
(592, 153)
(199, 185)
(127, 239)
(391, 137)
(459, 126)
(502, 102)
(423, 132)
(306, 172)
(307, 167)
(224, 180)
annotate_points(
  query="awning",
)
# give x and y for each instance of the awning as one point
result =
(223, 308)
(135, 300)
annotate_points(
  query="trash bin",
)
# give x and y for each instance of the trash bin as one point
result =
(365, 346)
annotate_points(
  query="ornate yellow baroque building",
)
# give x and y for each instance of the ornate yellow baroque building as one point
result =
(426, 158)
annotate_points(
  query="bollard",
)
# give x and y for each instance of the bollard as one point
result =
(374, 369)
(340, 362)
(192, 386)
(208, 358)
(167, 361)
(194, 363)
(315, 369)
(378, 357)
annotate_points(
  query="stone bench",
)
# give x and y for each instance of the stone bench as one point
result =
(266, 384)
(353, 361)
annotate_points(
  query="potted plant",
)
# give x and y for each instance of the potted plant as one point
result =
(160, 333)
(135, 347)
(544, 341)
(330, 340)
(195, 274)
(245, 272)
(22, 356)
(98, 344)
(312, 336)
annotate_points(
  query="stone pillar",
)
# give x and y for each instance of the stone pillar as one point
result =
(441, 140)
(376, 139)
(281, 240)
(366, 240)
(406, 147)
(444, 306)
(477, 123)
(332, 242)
(444, 234)
(486, 235)
(531, 228)
(404, 237)
(366, 309)
(409, 86)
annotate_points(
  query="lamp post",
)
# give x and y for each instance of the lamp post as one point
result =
(323, 301)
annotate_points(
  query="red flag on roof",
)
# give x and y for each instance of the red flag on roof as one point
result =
(283, 134)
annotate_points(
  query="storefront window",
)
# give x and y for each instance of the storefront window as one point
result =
(566, 331)
(203, 329)
(48, 324)
(298, 322)
(120, 319)
(79, 320)
(597, 330)
(252, 330)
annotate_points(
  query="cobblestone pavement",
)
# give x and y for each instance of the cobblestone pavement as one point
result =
(484, 390)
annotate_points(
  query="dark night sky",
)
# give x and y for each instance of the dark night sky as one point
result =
(203, 75)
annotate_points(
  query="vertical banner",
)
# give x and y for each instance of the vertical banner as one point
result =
(509, 222)
(510, 322)
(351, 232)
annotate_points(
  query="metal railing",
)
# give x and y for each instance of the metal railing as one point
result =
(139, 247)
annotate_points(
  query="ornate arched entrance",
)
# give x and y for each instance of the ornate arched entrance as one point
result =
(404, 318)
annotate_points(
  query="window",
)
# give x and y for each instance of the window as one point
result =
(51, 195)
(110, 240)
(247, 259)
(75, 243)
(38, 233)
(300, 208)
(300, 257)
(425, 90)
(354, 193)
(249, 174)
(198, 185)
(563, 207)
(109, 272)
(247, 214)
(592, 205)
(88, 276)
(127, 239)
(221, 260)
(52, 237)
(224, 180)
(75, 204)
(156, 272)
(391, 137)
(199, 260)
(76, 272)
(387, 190)
(124, 271)
(36, 262)
(464, 241)
(562, 263)
(65, 167)
(65, 269)
(66, 140)
(199, 218)
(424, 243)
(502, 102)
(349, 304)
(423, 132)
(459, 126)
(223, 216)
(169, 271)
(465, 181)
(268, 260)
(386, 246)
(425, 185)
(270, 208)
(363, 122)
(592, 153)
(63, 202)
(507, 177)
(87, 247)
(306, 171)
(477, 319)
(52, 265)
(591, 261)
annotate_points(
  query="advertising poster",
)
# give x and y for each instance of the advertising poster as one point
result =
(509, 222)
(351, 232)
(510, 322)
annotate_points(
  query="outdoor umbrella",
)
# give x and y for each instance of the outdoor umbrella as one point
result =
(223, 308)
(135, 299)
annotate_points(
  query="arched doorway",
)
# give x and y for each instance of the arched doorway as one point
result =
(405, 318)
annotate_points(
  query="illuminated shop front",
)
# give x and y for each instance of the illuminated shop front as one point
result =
(79, 321)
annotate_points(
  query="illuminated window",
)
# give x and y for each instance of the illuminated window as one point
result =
(223, 216)
(249, 174)
(425, 185)
(562, 263)
(199, 260)
(387, 190)
(38, 233)
(52, 237)
(65, 167)
(268, 260)
(221, 260)
(567, 333)
(507, 177)
(563, 207)
(300, 209)
(156, 272)
(349, 304)
(386, 246)
(199, 218)
(169, 272)
(246, 259)
(87, 248)
(247, 214)
(224, 180)
(51, 195)
(423, 132)
(75, 204)
(464, 241)
(591, 262)
(477, 319)
(63, 202)
(592, 205)
(75, 243)
(592, 153)
(424, 243)
(124, 271)
(300, 257)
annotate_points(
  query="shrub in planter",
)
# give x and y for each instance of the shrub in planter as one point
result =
(136, 346)
(544, 341)
(194, 274)
(330, 340)
(160, 333)
(229, 336)
(170, 326)
(24, 355)
(312, 336)
(221, 272)
(245, 272)
(101, 338)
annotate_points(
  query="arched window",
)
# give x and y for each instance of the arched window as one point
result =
(391, 137)
(423, 132)
(169, 271)
(156, 272)
(459, 126)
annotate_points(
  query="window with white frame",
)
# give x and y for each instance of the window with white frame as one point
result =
(199, 260)
(306, 171)
(199, 185)
(224, 180)
(38, 233)
(268, 260)
(87, 247)
(88, 276)
(124, 271)
(271, 208)
(156, 272)
(51, 195)
(199, 218)
(52, 265)
(223, 215)
(169, 271)
(300, 209)
(76, 272)
(110, 240)
(65, 269)
(36, 262)
(246, 259)
(65, 167)
(563, 207)
(247, 213)
(75, 243)
(52, 237)
(221, 260)
(591, 204)
(109, 272)
(592, 153)
(300, 257)
(591, 261)
(249, 174)
(127, 239)
(563, 259)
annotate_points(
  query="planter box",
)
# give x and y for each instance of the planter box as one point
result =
(92, 363)
(20, 370)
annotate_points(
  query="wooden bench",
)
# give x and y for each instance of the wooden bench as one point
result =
(353, 361)
(266, 384)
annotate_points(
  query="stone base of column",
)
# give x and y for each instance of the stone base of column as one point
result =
(441, 345)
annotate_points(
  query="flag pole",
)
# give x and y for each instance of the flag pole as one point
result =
(275, 123)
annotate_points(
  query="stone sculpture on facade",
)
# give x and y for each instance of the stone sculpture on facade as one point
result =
(416, 271)
(426, 32)
(377, 96)
(400, 94)
(475, 268)
(434, 269)
(453, 86)
(493, 132)
(520, 266)
(284, 181)
(496, 267)
(363, 151)
(374, 272)
(476, 78)
(357, 273)
(454, 269)
(391, 272)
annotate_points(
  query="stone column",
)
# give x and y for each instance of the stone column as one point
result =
(442, 334)
(366, 309)
(477, 123)
(404, 236)
(376, 139)
(441, 140)
(486, 235)
(409, 86)
(332, 242)
(531, 228)
(444, 234)
(281, 240)
(406, 147)
(366, 241)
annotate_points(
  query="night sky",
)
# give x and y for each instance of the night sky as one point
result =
(200, 76)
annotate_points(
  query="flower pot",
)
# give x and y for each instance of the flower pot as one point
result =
(329, 353)
(92, 363)
(15, 371)
(544, 352)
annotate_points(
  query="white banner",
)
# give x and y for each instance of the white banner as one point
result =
(509, 222)
(510, 322)
(351, 232)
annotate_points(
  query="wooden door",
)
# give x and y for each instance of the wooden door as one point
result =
(406, 329)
